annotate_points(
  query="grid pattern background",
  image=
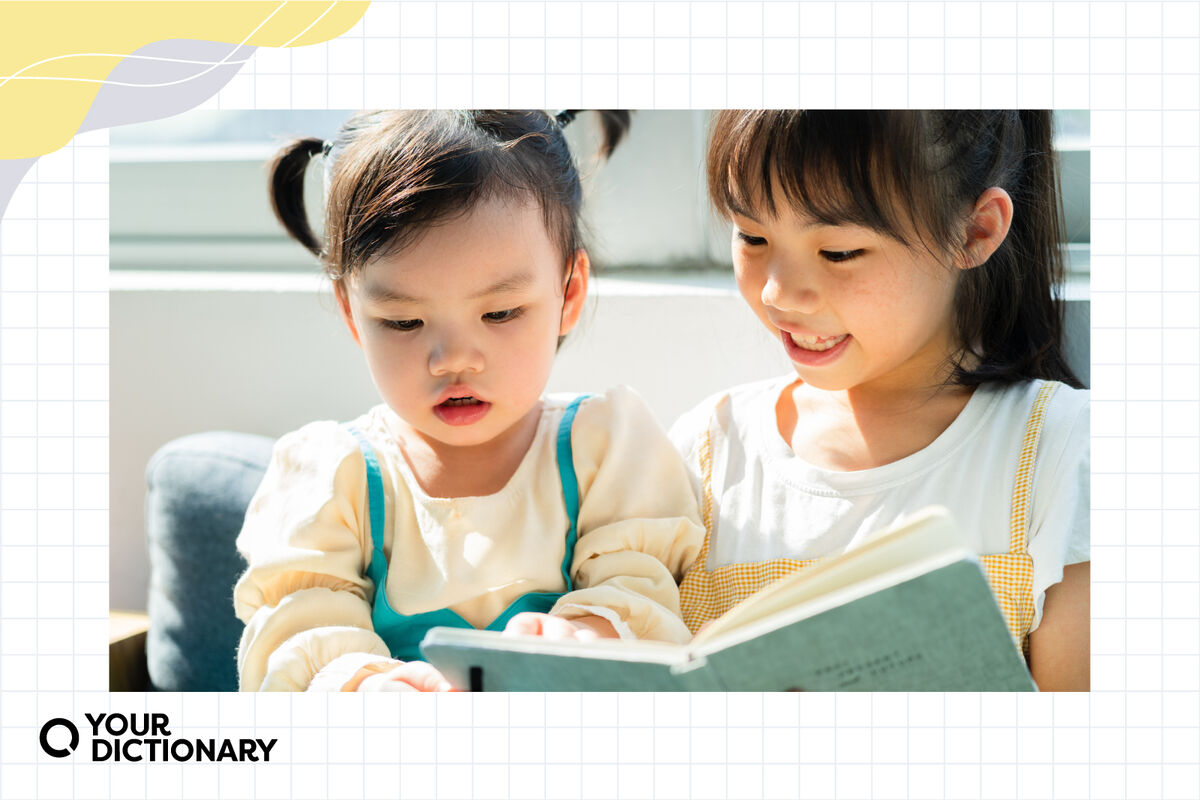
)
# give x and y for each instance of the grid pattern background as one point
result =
(1137, 65)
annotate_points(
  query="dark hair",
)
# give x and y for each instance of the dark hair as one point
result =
(850, 167)
(391, 174)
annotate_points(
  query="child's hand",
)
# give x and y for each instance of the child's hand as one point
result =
(582, 629)
(410, 676)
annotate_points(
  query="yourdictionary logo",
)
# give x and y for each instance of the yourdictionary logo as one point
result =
(146, 737)
(59, 752)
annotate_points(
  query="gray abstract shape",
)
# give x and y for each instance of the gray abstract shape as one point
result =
(11, 173)
(122, 105)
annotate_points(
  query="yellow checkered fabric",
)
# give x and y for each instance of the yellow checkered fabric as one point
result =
(707, 595)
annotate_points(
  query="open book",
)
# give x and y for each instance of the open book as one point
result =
(909, 610)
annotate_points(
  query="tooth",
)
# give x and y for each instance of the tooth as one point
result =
(815, 343)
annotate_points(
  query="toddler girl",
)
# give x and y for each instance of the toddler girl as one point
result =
(907, 263)
(467, 498)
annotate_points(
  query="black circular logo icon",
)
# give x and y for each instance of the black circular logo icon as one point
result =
(58, 752)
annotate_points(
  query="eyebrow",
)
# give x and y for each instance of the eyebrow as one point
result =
(382, 294)
(736, 208)
(512, 283)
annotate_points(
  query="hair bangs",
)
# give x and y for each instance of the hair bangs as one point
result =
(830, 168)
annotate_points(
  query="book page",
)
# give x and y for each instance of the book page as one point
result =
(927, 535)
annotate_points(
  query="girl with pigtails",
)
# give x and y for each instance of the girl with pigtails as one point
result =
(910, 265)
(468, 497)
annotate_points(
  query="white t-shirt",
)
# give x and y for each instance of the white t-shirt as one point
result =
(769, 503)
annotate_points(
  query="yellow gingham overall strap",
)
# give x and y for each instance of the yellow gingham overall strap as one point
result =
(696, 589)
(1011, 574)
(705, 595)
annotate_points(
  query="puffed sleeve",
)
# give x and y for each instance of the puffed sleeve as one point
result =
(639, 524)
(1060, 529)
(305, 596)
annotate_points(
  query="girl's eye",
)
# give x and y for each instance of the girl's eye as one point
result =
(507, 315)
(840, 255)
(403, 324)
(753, 241)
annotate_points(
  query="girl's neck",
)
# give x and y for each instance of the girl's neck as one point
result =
(446, 471)
(853, 430)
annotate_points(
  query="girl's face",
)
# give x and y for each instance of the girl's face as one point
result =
(852, 308)
(460, 327)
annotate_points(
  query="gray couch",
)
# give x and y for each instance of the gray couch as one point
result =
(198, 489)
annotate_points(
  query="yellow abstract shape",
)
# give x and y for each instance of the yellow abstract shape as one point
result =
(54, 57)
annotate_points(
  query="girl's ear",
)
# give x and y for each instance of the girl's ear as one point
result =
(575, 292)
(343, 301)
(987, 226)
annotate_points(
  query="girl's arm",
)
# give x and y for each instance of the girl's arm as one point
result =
(304, 596)
(1060, 648)
(639, 523)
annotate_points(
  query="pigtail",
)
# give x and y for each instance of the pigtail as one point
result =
(614, 125)
(287, 189)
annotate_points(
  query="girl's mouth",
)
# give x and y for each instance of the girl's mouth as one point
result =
(461, 410)
(812, 351)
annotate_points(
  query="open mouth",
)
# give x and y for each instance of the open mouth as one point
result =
(465, 410)
(462, 401)
(815, 351)
(818, 343)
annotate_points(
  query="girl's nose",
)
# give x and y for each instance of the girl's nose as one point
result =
(790, 287)
(455, 355)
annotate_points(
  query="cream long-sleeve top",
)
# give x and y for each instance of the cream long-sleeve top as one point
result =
(305, 597)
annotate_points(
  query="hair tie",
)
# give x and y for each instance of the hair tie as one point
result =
(325, 148)
(563, 118)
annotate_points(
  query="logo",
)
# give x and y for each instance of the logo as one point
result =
(146, 737)
(58, 752)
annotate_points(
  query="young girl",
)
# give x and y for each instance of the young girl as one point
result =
(907, 264)
(467, 498)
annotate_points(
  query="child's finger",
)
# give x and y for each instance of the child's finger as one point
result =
(381, 682)
(557, 628)
(527, 623)
(419, 675)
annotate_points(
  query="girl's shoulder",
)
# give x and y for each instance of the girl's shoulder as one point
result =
(613, 427)
(599, 415)
(732, 409)
(325, 444)
(1064, 421)
(1065, 413)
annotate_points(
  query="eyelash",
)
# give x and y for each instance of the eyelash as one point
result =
(834, 256)
(507, 315)
(494, 317)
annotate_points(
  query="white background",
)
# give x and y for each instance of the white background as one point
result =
(1137, 65)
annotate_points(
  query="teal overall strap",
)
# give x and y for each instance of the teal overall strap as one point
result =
(377, 569)
(570, 485)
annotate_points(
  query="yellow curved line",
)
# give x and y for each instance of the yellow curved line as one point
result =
(55, 56)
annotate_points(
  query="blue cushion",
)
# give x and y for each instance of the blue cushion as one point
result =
(199, 488)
